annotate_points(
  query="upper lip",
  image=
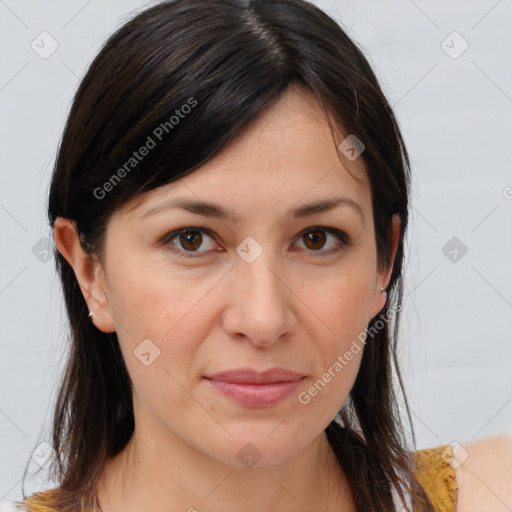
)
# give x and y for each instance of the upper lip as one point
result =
(252, 376)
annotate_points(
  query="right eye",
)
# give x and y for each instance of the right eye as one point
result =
(189, 240)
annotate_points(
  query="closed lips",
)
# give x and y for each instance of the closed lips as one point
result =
(251, 376)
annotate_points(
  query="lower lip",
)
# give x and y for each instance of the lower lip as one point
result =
(256, 395)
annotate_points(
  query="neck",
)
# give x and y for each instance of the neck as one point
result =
(145, 477)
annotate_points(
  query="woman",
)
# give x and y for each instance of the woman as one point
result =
(229, 205)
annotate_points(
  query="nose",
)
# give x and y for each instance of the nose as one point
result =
(259, 307)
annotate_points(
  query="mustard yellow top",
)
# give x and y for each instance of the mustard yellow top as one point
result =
(433, 470)
(437, 476)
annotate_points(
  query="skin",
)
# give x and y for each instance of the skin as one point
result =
(291, 307)
(484, 476)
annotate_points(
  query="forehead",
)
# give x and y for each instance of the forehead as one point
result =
(286, 156)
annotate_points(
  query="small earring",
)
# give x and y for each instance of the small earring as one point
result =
(91, 314)
(382, 290)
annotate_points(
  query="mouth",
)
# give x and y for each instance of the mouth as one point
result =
(256, 395)
(254, 376)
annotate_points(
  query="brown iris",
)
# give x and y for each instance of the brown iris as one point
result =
(317, 238)
(193, 238)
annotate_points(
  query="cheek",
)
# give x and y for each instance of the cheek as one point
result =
(342, 306)
(339, 314)
(174, 311)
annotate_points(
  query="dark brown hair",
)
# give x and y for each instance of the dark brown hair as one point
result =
(228, 60)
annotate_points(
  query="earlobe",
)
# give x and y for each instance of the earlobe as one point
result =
(88, 272)
(379, 303)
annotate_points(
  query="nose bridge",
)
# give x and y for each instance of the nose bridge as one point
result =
(258, 271)
(259, 293)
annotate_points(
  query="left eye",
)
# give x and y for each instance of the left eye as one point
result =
(317, 237)
(190, 239)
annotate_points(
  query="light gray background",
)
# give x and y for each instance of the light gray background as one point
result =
(455, 114)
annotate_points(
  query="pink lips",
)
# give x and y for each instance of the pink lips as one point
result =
(256, 389)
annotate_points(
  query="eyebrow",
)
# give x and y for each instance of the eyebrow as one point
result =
(209, 209)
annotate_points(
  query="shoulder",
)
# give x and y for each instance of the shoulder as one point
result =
(484, 474)
(468, 477)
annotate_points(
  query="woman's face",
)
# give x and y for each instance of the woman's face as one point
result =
(257, 288)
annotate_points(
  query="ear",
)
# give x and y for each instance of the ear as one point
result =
(384, 275)
(88, 272)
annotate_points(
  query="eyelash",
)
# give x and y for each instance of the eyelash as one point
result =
(343, 237)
